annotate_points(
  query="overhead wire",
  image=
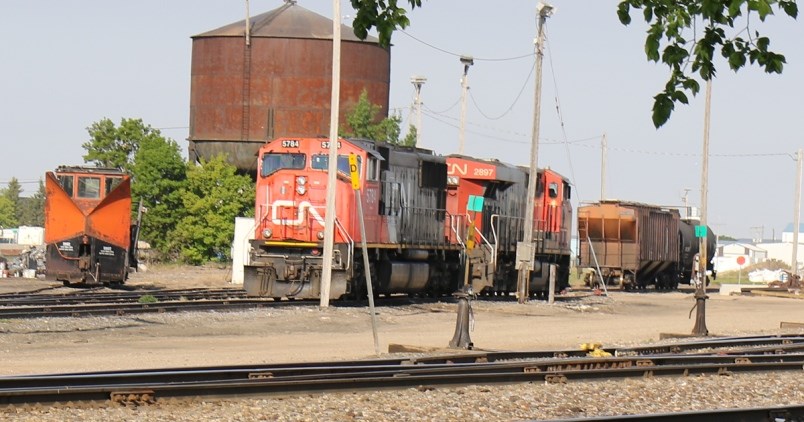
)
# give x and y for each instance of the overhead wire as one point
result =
(511, 107)
(561, 117)
(461, 55)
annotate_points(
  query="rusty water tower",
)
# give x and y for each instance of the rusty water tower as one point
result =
(276, 82)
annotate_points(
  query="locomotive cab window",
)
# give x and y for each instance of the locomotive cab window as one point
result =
(273, 162)
(112, 183)
(553, 190)
(373, 169)
(321, 162)
(66, 182)
(567, 191)
(89, 187)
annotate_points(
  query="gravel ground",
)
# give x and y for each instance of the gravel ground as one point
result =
(474, 403)
(305, 333)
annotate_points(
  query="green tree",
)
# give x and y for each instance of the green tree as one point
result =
(683, 33)
(385, 15)
(158, 174)
(363, 123)
(32, 210)
(680, 33)
(12, 192)
(7, 215)
(213, 195)
(115, 146)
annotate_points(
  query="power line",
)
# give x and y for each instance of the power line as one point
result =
(445, 110)
(511, 107)
(459, 55)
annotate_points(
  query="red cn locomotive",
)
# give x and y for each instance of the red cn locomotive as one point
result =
(420, 237)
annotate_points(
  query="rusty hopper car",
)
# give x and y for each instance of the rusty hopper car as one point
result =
(88, 225)
(631, 243)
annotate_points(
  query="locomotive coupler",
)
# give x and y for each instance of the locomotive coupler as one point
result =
(465, 320)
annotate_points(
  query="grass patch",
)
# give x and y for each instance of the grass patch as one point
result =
(147, 299)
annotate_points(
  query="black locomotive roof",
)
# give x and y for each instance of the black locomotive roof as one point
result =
(90, 169)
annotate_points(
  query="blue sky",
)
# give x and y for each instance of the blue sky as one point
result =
(68, 64)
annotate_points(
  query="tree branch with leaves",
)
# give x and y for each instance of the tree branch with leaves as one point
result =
(673, 38)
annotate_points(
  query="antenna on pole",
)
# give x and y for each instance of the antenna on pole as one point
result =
(248, 26)
(417, 82)
(797, 211)
(467, 62)
(686, 206)
(604, 152)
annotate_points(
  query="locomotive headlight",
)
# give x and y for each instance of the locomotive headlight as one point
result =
(452, 180)
(267, 233)
(301, 180)
(320, 235)
(301, 189)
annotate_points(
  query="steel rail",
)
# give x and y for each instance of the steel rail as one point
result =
(279, 372)
(770, 413)
(404, 378)
(138, 308)
(160, 295)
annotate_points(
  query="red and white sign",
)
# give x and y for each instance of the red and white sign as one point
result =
(740, 260)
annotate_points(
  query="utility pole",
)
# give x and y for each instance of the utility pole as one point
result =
(684, 199)
(467, 61)
(332, 168)
(797, 211)
(418, 81)
(604, 152)
(525, 249)
(700, 292)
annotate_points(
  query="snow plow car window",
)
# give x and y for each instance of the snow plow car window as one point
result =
(111, 183)
(66, 183)
(89, 187)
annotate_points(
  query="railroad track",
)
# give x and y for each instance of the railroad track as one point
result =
(774, 413)
(15, 312)
(147, 386)
(89, 296)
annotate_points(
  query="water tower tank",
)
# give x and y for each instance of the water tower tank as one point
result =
(278, 84)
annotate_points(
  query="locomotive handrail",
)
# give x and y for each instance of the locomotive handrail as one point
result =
(496, 239)
(491, 248)
(349, 241)
(454, 226)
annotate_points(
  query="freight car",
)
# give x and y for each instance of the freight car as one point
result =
(636, 245)
(88, 231)
(421, 239)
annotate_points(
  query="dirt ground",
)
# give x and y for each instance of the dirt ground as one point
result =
(307, 333)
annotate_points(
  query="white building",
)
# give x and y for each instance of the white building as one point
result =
(726, 258)
(783, 252)
(787, 236)
(24, 235)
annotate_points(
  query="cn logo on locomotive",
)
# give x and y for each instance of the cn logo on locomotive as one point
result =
(300, 215)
